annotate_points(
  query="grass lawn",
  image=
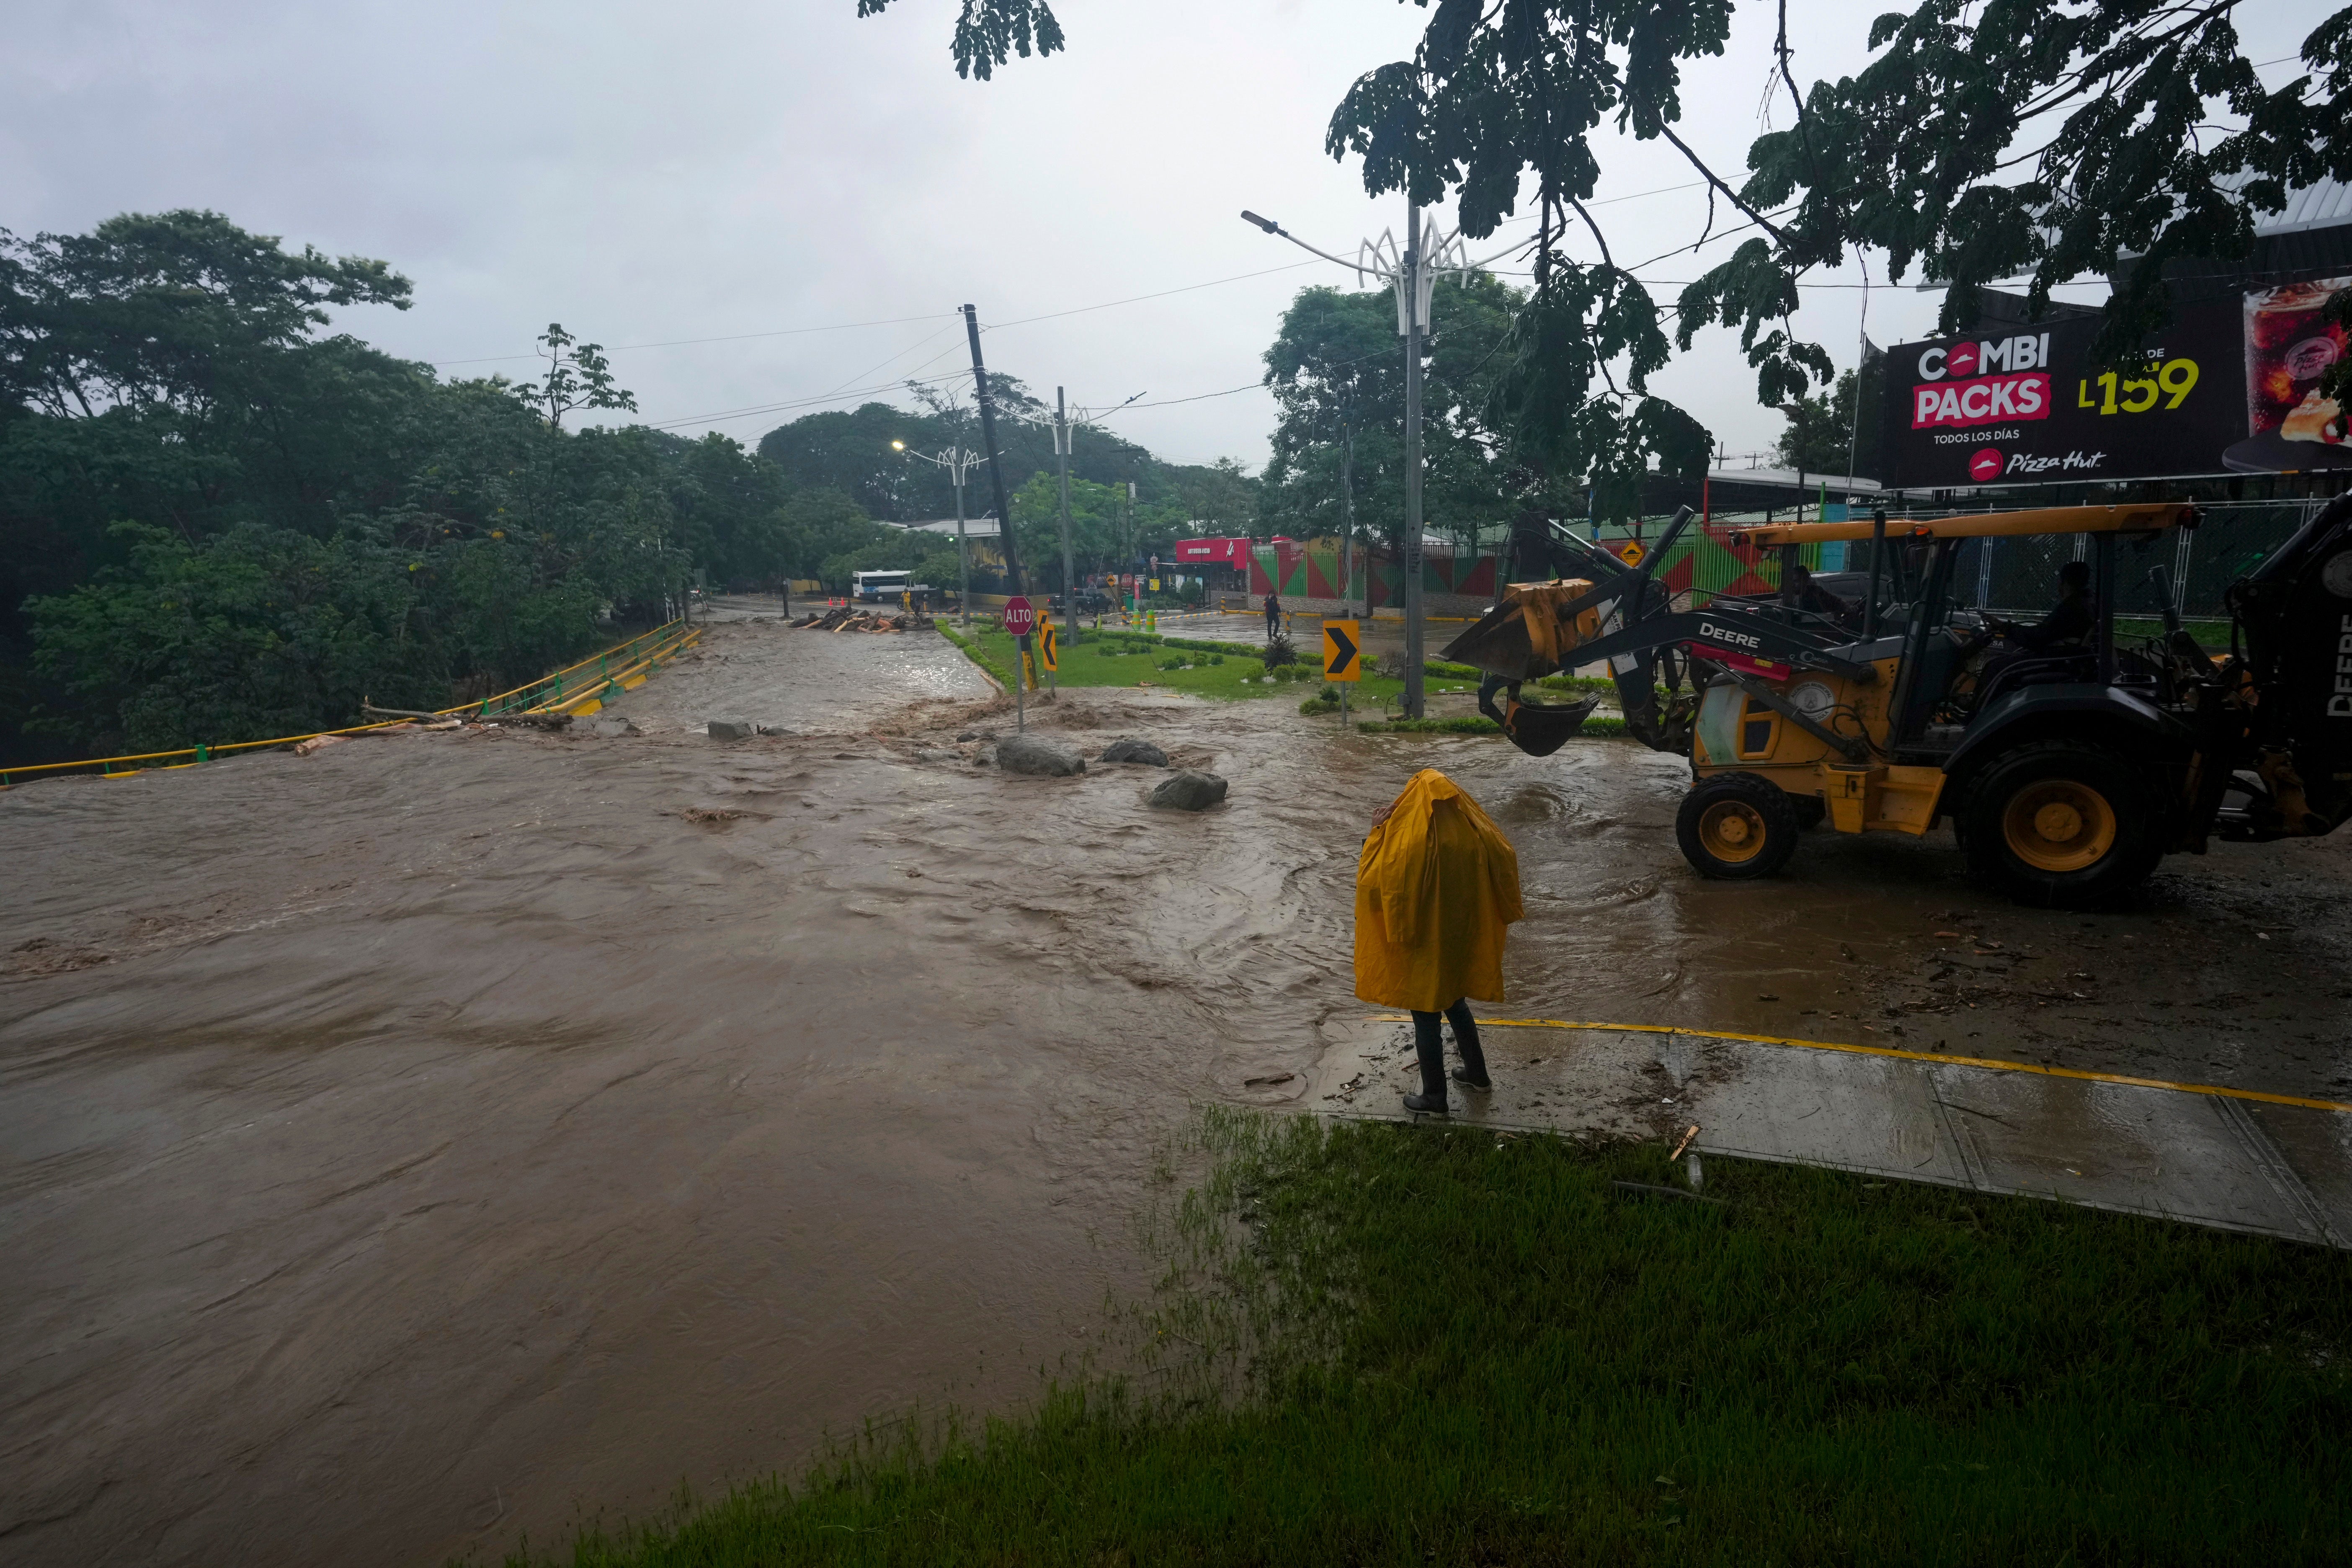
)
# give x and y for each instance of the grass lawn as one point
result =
(1122, 658)
(1129, 658)
(1432, 1346)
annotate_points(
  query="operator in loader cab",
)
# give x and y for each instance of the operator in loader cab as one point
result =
(1438, 886)
(2069, 621)
(1811, 597)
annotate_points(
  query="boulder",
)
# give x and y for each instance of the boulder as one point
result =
(606, 727)
(731, 729)
(935, 754)
(1127, 749)
(969, 735)
(1034, 754)
(1188, 789)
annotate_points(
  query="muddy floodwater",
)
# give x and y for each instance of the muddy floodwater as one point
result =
(417, 1143)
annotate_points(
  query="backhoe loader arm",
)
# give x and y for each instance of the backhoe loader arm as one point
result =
(1740, 634)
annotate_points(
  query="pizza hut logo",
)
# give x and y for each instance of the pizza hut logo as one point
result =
(1986, 466)
(1961, 360)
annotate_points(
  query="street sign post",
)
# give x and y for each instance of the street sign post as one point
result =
(1049, 651)
(1020, 619)
(1631, 554)
(1343, 660)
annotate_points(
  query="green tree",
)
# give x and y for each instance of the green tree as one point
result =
(577, 377)
(1822, 437)
(225, 526)
(1818, 430)
(1337, 371)
(176, 310)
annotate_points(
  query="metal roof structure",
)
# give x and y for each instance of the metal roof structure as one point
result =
(2320, 206)
(1791, 480)
(973, 527)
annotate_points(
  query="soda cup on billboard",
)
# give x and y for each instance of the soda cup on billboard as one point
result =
(2288, 349)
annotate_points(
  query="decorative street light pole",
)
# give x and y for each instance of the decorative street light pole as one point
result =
(1412, 272)
(958, 463)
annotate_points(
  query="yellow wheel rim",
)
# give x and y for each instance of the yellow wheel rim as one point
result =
(1732, 831)
(2059, 825)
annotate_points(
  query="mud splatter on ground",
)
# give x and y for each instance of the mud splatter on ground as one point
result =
(406, 1144)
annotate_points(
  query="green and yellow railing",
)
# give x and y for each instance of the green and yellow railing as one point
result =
(576, 688)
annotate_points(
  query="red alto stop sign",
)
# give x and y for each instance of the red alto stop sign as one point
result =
(1019, 618)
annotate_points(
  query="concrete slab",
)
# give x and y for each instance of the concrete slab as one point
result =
(2175, 1153)
(1867, 1113)
(2144, 1151)
(2317, 1147)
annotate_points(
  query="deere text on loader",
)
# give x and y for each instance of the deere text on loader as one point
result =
(2068, 772)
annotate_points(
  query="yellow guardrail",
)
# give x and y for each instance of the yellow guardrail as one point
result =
(567, 690)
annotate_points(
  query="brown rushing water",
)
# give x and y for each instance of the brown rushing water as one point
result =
(418, 1143)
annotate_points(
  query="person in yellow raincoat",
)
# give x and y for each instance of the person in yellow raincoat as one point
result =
(1438, 886)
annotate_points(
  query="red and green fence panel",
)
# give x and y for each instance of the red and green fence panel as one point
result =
(1296, 573)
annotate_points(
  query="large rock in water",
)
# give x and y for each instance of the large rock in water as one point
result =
(730, 729)
(1187, 789)
(1127, 749)
(1031, 755)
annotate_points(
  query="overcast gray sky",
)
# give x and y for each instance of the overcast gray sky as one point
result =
(646, 174)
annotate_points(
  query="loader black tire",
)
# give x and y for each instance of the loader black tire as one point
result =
(1737, 827)
(2063, 824)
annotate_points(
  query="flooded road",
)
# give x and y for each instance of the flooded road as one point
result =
(412, 1144)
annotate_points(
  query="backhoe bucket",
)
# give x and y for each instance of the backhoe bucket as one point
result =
(1539, 729)
(1521, 638)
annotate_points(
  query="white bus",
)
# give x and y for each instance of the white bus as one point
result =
(881, 588)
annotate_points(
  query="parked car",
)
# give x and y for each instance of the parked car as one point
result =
(1091, 602)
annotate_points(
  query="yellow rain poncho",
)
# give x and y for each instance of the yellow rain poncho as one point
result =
(1438, 886)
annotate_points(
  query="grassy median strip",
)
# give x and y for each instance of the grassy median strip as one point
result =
(1415, 1344)
(1233, 670)
(1204, 669)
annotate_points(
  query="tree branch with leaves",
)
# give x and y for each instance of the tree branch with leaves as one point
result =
(577, 377)
(1987, 139)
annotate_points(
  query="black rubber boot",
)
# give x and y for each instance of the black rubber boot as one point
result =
(1429, 1044)
(1472, 1070)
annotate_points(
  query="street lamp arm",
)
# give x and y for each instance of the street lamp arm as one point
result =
(1274, 229)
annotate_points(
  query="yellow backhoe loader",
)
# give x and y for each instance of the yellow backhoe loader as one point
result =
(2067, 771)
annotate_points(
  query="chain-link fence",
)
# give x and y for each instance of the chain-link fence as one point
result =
(2019, 577)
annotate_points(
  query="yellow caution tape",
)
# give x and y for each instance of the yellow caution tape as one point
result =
(1995, 1064)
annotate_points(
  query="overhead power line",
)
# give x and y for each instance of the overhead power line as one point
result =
(728, 338)
(849, 395)
(1024, 320)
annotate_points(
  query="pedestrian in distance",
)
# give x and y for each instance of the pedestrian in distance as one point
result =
(1273, 617)
(1438, 886)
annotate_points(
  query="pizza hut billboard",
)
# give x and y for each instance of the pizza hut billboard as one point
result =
(2231, 388)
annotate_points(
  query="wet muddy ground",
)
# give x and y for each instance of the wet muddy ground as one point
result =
(407, 1145)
